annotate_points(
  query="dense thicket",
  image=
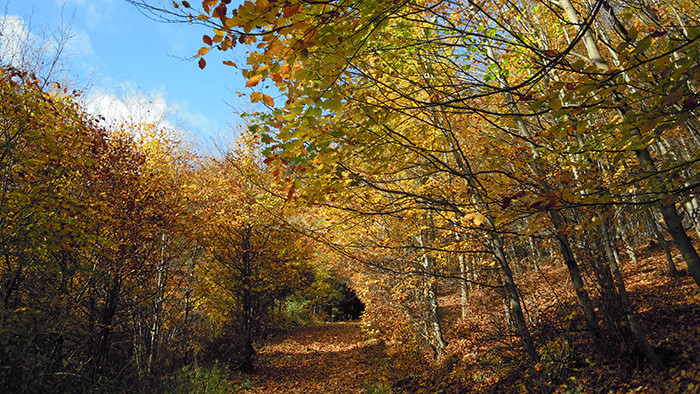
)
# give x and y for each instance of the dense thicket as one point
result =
(124, 256)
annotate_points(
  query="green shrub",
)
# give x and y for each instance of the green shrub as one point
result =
(378, 388)
(200, 380)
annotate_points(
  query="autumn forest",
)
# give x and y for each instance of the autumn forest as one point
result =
(431, 196)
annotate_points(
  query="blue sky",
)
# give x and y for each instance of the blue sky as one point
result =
(131, 64)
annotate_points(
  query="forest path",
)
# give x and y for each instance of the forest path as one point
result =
(323, 358)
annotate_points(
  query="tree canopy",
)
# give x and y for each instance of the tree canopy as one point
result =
(474, 171)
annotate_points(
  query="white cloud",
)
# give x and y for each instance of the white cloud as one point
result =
(79, 44)
(16, 42)
(49, 54)
(130, 106)
(99, 13)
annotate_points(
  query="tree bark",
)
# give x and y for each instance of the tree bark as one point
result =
(426, 239)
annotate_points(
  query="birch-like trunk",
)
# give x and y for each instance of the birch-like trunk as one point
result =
(667, 206)
(426, 239)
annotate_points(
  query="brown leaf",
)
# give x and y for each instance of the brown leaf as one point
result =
(290, 10)
(220, 11)
(690, 103)
(506, 202)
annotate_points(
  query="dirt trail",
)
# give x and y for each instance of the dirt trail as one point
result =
(326, 358)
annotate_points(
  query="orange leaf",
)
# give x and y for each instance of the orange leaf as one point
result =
(268, 100)
(207, 4)
(253, 81)
(203, 51)
(229, 63)
(286, 68)
(290, 193)
(276, 77)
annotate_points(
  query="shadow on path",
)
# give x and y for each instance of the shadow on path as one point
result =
(326, 358)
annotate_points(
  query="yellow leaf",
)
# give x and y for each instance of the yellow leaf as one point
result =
(256, 96)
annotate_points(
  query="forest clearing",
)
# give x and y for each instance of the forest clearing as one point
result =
(425, 196)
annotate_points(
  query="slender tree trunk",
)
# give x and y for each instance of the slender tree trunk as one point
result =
(635, 327)
(674, 225)
(426, 239)
(496, 244)
(560, 230)
(577, 281)
(516, 309)
(629, 249)
(463, 285)
(157, 308)
(248, 365)
(670, 265)
(510, 323)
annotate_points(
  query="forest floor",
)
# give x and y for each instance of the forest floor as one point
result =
(320, 358)
(339, 357)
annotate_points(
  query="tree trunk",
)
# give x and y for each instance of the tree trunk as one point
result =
(248, 362)
(425, 240)
(514, 299)
(463, 285)
(670, 265)
(577, 281)
(637, 331)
